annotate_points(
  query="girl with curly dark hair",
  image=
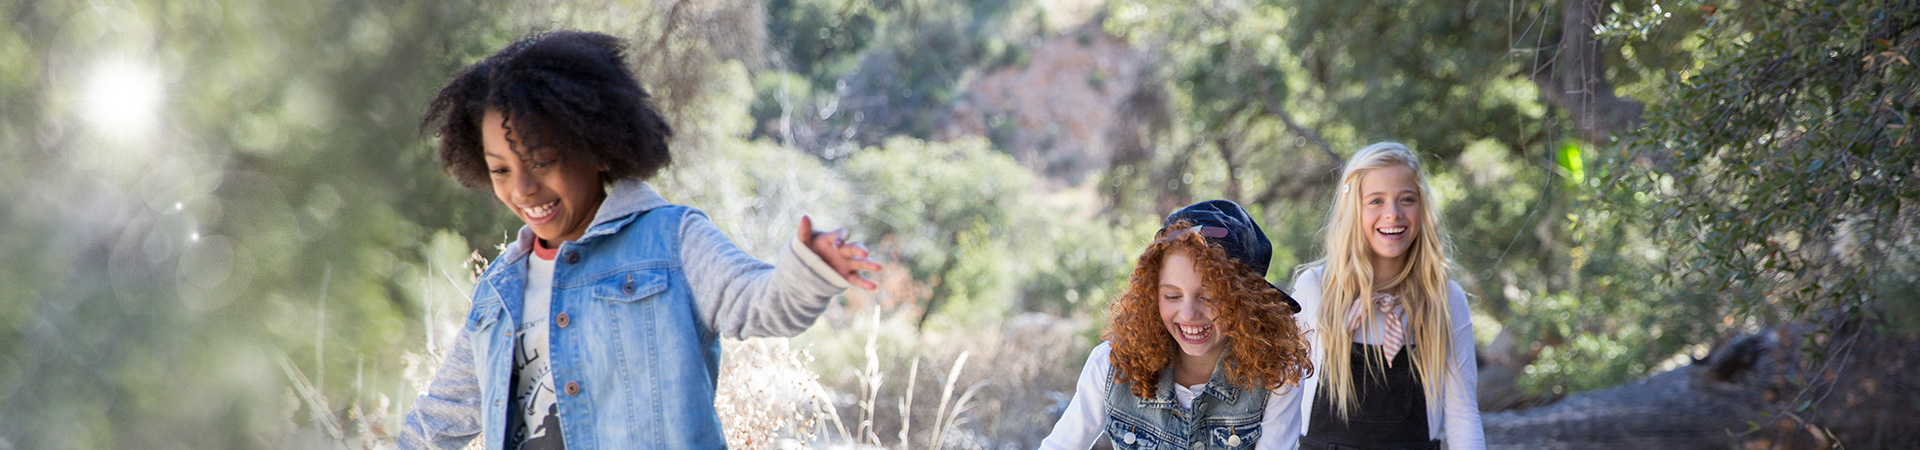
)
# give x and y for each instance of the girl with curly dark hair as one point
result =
(598, 327)
(1202, 351)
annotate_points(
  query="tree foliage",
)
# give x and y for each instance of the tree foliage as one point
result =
(1781, 170)
(861, 71)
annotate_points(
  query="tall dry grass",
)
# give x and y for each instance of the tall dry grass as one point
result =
(994, 387)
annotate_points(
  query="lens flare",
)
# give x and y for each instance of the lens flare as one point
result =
(123, 99)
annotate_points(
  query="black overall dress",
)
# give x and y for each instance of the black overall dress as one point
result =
(1391, 413)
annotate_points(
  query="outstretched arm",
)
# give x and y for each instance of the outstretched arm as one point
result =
(739, 296)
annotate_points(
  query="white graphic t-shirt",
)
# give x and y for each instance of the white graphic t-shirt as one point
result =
(533, 421)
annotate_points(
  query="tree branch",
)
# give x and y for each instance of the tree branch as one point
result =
(1273, 107)
(1575, 80)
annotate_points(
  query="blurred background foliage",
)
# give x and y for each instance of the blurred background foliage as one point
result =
(230, 224)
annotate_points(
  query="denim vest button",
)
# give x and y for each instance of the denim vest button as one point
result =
(562, 320)
(573, 388)
(1199, 446)
(1128, 438)
(573, 257)
(1233, 441)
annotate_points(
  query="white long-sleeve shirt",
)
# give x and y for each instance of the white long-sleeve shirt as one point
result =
(1086, 415)
(1456, 420)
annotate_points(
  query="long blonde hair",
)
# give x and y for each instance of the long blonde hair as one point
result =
(1347, 278)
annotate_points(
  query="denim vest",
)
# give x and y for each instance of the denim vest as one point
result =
(633, 367)
(1224, 416)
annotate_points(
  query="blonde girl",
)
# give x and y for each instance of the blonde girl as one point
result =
(1389, 331)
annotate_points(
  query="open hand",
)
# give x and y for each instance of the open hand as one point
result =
(847, 258)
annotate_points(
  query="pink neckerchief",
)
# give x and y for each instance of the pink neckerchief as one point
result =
(1388, 304)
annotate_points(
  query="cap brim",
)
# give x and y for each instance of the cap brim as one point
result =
(1291, 303)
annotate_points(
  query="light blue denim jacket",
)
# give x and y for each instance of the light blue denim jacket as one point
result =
(1224, 416)
(649, 289)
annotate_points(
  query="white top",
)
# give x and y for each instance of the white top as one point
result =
(1457, 420)
(533, 393)
(1086, 416)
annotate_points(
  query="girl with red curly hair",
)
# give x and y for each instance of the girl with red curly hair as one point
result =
(1202, 351)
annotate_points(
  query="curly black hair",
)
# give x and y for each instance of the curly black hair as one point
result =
(566, 90)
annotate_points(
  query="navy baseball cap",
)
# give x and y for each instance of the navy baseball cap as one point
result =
(1227, 224)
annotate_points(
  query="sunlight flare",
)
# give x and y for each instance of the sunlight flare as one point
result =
(123, 98)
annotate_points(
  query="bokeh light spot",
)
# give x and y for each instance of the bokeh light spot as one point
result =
(123, 99)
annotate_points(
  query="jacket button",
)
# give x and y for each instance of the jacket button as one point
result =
(573, 388)
(562, 320)
(573, 257)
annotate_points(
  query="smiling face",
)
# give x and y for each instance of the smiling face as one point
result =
(556, 196)
(1390, 213)
(1186, 310)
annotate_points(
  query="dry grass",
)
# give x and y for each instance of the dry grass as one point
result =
(767, 398)
(371, 418)
(1031, 363)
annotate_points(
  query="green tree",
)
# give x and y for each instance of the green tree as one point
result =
(873, 70)
(952, 229)
(1781, 169)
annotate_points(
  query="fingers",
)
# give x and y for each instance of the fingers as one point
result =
(860, 264)
(829, 245)
(862, 282)
(857, 257)
(851, 261)
(848, 258)
(853, 250)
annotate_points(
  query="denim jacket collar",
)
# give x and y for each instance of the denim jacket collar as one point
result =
(628, 196)
(1218, 386)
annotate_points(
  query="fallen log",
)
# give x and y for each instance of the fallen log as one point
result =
(1760, 391)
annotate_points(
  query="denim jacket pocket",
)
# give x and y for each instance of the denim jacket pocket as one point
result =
(632, 286)
(1127, 435)
(484, 314)
(1233, 437)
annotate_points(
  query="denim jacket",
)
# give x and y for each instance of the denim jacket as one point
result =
(636, 363)
(1223, 416)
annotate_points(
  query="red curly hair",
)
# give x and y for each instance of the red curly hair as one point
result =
(1264, 346)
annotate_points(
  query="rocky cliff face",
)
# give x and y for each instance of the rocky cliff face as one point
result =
(1058, 112)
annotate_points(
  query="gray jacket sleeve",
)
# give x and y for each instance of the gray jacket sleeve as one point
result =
(739, 296)
(447, 415)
